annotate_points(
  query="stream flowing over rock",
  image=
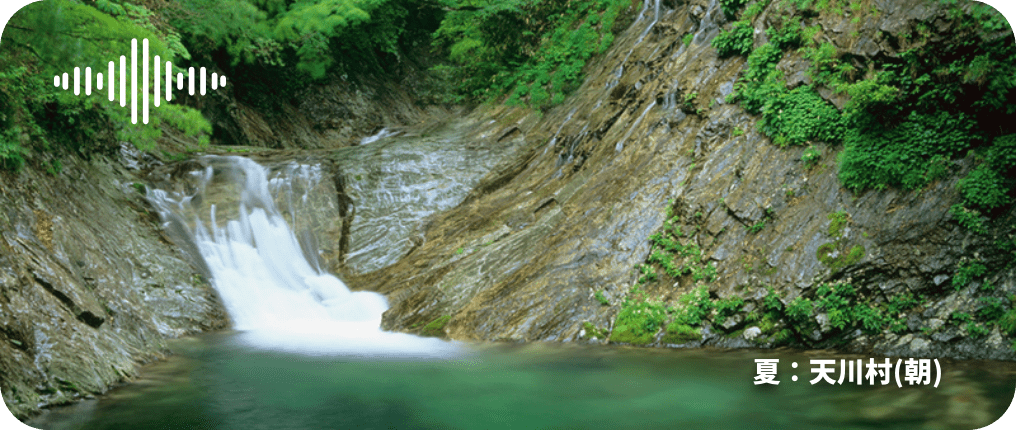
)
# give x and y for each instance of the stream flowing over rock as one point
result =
(498, 224)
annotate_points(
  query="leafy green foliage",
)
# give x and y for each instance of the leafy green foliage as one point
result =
(593, 332)
(726, 308)
(757, 227)
(954, 90)
(705, 272)
(730, 7)
(12, 154)
(799, 310)
(847, 311)
(601, 298)
(1007, 322)
(990, 184)
(675, 257)
(309, 34)
(985, 188)
(639, 320)
(693, 307)
(786, 36)
(533, 50)
(966, 273)
(909, 117)
(810, 157)
(754, 9)
(800, 116)
(54, 36)
(736, 41)
(969, 219)
(990, 308)
(760, 80)
(826, 69)
(904, 155)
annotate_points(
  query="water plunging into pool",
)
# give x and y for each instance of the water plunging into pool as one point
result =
(273, 288)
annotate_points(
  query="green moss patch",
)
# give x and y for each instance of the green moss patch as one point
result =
(681, 333)
(593, 332)
(436, 328)
(843, 259)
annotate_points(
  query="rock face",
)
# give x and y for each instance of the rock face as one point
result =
(544, 247)
(525, 257)
(336, 112)
(89, 287)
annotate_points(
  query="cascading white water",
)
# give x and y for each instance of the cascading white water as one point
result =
(274, 295)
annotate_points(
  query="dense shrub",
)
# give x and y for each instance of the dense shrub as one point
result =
(905, 155)
(54, 36)
(736, 41)
(801, 116)
(533, 50)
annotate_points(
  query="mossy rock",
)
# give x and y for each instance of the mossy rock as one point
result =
(593, 332)
(436, 328)
(637, 324)
(681, 333)
(825, 252)
(837, 221)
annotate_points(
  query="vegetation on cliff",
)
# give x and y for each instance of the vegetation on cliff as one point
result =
(904, 121)
(908, 116)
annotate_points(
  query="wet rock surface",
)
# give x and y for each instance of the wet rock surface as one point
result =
(523, 258)
(502, 225)
(89, 287)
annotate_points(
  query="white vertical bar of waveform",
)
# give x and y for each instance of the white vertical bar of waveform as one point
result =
(222, 81)
(88, 81)
(77, 81)
(65, 81)
(169, 79)
(134, 81)
(179, 81)
(123, 81)
(111, 86)
(202, 81)
(56, 81)
(190, 81)
(215, 81)
(157, 78)
(144, 81)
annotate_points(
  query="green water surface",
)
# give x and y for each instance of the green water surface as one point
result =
(215, 382)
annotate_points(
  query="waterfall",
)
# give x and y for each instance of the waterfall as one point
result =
(275, 293)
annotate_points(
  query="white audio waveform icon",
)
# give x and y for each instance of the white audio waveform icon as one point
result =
(217, 81)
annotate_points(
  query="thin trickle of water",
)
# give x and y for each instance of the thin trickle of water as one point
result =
(620, 143)
(656, 18)
(273, 293)
(670, 101)
(645, 6)
(553, 140)
(380, 135)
